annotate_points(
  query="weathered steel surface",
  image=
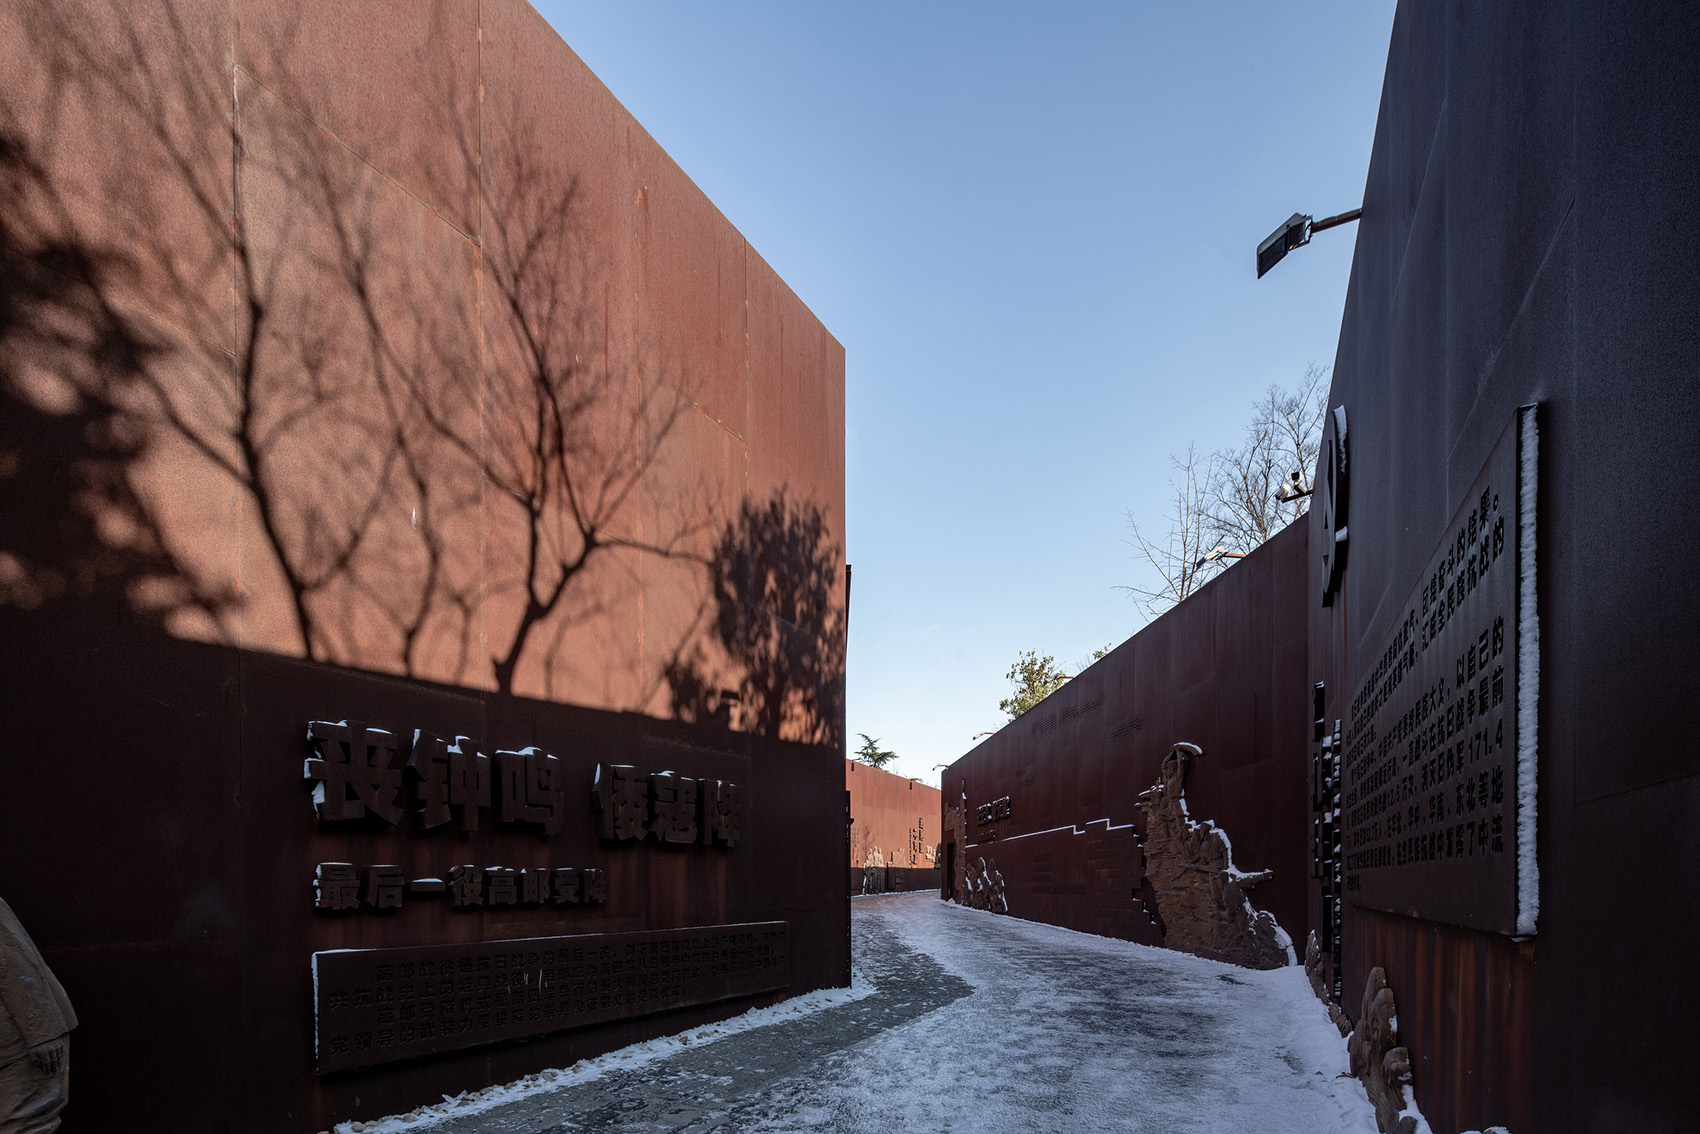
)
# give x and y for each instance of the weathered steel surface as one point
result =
(1051, 801)
(894, 831)
(209, 813)
(1467, 1013)
(451, 307)
(375, 1006)
(1508, 256)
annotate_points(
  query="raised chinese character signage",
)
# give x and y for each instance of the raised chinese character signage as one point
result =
(1437, 775)
(377, 1006)
(547, 833)
(355, 773)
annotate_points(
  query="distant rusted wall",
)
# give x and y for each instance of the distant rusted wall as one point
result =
(1532, 177)
(372, 362)
(893, 828)
(1224, 670)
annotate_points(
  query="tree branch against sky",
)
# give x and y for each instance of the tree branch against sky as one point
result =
(1224, 504)
(1178, 558)
(1281, 441)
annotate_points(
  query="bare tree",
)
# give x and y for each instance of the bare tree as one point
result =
(1225, 504)
(1280, 447)
(1178, 559)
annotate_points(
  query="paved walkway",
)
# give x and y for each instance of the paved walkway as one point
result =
(966, 1021)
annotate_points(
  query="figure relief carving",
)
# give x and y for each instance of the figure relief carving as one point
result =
(956, 834)
(1316, 971)
(1378, 1062)
(985, 887)
(36, 1020)
(873, 872)
(1201, 896)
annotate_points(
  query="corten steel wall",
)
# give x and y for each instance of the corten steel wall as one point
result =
(395, 314)
(372, 362)
(1527, 235)
(162, 851)
(897, 818)
(1224, 670)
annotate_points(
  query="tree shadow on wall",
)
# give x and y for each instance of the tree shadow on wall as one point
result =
(774, 578)
(253, 408)
(71, 527)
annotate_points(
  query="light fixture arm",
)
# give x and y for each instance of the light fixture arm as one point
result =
(1337, 219)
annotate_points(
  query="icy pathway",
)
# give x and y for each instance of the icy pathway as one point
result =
(985, 1024)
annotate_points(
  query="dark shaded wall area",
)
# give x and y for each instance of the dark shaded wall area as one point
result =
(1224, 670)
(1528, 231)
(175, 846)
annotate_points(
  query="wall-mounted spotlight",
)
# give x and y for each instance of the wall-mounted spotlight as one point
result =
(1215, 553)
(1296, 233)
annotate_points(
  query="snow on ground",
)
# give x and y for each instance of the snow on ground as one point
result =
(632, 1059)
(962, 1020)
(1066, 1031)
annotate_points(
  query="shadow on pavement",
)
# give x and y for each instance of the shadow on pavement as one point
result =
(710, 1088)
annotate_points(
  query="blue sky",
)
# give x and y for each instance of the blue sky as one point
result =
(1032, 227)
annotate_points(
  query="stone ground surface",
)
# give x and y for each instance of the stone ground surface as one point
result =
(988, 1024)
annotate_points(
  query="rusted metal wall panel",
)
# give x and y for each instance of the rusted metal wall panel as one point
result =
(1531, 173)
(893, 830)
(1441, 972)
(1224, 670)
(409, 350)
(176, 847)
(382, 368)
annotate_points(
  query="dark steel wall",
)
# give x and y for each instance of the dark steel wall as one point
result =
(1527, 235)
(1224, 670)
(161, 845)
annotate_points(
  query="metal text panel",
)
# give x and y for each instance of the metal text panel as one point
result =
(1428, 808)
(376, 1006)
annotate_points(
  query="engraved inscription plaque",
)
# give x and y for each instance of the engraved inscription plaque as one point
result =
(376, 1006)
(1430, 816)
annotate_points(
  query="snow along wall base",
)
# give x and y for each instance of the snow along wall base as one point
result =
(1380, 1063)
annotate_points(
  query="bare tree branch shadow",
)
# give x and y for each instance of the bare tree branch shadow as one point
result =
(300, 353)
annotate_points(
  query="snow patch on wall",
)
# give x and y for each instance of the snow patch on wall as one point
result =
(1528, 675)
